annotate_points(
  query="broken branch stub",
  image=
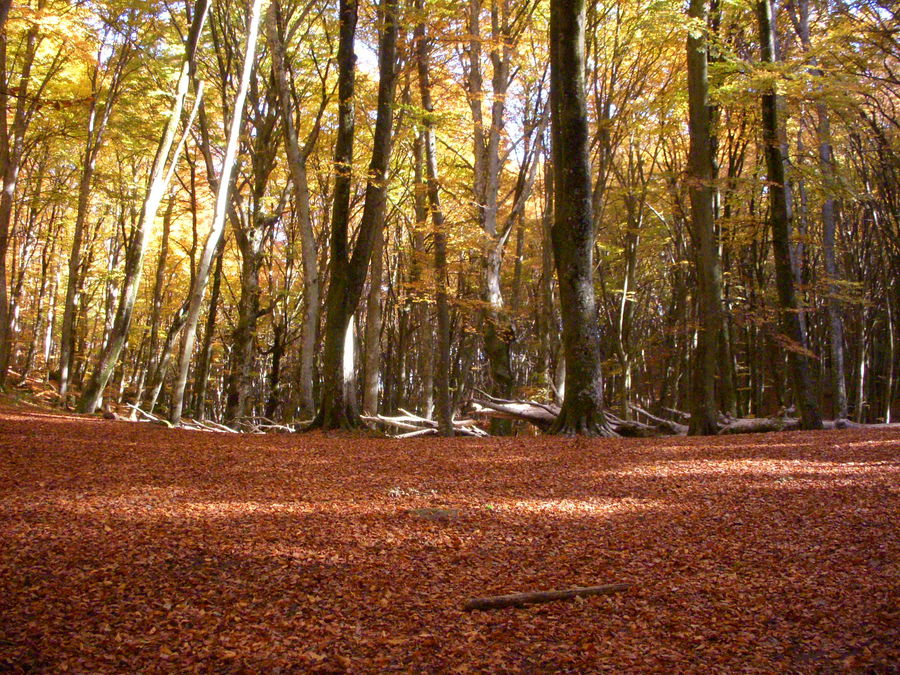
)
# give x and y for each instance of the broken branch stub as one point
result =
(536, 597)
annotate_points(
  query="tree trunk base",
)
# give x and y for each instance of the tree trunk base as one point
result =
(344, 418)
(581, 423)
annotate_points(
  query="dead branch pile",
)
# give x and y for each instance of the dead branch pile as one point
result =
(542, 415)
(410, 425)
(195, 425)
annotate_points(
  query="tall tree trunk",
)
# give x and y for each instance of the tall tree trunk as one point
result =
(297, 158)
(67, 339)
(4, 13)
(826, 167)
(497, 332)
(157, 297)
(442, 377)
(890, 357)
(704, 407)
(573, 232)
(801, 375)
(239, 377)
(96, 129)
(547, 324)
(223, 203)
(348, 273)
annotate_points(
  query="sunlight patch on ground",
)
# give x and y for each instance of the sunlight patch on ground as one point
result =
(756, 468)
(602, 507)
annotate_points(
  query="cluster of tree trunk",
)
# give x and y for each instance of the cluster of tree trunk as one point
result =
(265, 351)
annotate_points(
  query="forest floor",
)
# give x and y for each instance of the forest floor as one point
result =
(129, 547)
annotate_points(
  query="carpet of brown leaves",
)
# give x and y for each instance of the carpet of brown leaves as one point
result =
(132, 548)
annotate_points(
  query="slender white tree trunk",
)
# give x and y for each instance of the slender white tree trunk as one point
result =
(218, 225)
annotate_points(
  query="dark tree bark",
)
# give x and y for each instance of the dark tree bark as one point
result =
(374, 308)
(704, 408)
(801, 373)
(274, 380)
(442, 373)
(800, 16)
(348, 272)
(4, 12)
(573, 232)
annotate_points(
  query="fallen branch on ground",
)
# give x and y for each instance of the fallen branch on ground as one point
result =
(535, 597)
(662, 423)
(150, 417)
(414, 426)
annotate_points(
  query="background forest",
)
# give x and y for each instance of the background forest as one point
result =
(169, 228)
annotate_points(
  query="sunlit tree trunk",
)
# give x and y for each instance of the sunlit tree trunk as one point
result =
(297, 157)
(223, 197)
(573, 231)
(160, 176)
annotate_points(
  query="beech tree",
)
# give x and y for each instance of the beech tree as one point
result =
(222, 205)
(779, 219)
(442, 364)
(704, 408)
(348, 269)
(573, 229)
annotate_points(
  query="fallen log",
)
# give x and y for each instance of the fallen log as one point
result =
(757, 425)
(662, 423)
(220, 427)
(536, 597)
(635, 429)
(678, 413)
(538, 415)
